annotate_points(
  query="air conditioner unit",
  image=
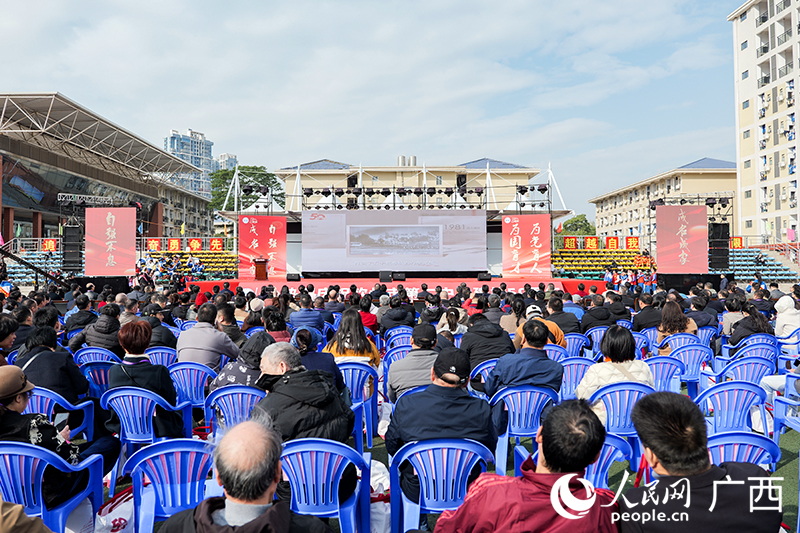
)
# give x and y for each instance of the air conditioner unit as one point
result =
(783, 164)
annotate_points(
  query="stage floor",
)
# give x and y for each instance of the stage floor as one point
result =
(412, 285)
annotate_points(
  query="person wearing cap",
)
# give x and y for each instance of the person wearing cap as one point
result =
(34, 428)
(555, 335)
(444, 410)
(203, 343)
(162, 336)
(254, 320)
(414, 369)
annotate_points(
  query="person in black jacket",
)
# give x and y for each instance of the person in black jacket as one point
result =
(161, 300)
(568, 322)
(303, 403)
(597, 315)
(161, 336)
(493, 313)
(484, 340)
(246, 369)
(649, 316)
(82, 317)
(137, 371)
(51, 369)
(396, 315)
(433, 309)
(753, 322)
(181, 310)
(24, 317)
(616, 307)
(102, 334)
(698, 313)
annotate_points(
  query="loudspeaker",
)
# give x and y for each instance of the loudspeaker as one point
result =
(398, 276)
(72, 260)
(292, 277)
(461, 180)
(72, 239)
(386, 276)
(719, 258)
(484, 277)
(719, 232)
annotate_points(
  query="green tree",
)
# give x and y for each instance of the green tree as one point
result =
(256, 177)
(578, 225)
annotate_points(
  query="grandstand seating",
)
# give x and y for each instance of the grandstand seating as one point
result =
(22, 275)
(743, 263)
(212, 261)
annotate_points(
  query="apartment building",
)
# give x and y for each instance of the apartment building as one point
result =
(765, 38)
(630, 210)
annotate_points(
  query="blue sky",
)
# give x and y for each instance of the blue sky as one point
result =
(609, 92)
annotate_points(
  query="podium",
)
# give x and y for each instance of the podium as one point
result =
(261, 269)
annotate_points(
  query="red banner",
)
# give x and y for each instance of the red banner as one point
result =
(262, 237)
(153, 245)
(682, 239)
(215, 245)
(111, 241)
(612, 243)
(174, 245)
(526, 245)
(570, 243)
(631, 243)
(49, 245)
(736, 243)
(195, 244)
(591, 243)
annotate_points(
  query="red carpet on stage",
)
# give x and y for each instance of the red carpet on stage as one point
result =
(412, 285)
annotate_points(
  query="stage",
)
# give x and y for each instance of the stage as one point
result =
(412, 285)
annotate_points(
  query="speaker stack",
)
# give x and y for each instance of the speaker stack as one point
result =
(718, 246)
(71, 244)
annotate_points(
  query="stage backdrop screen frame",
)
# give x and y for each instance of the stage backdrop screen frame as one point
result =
(110, 241)
(682, 243)
(526, 246)
(400, 241)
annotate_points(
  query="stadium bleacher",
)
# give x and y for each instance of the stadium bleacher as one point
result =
(22, 275)
(223, 261)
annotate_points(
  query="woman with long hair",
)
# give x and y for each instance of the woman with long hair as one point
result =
(275, 324)
(673, 321)
(351, 341)
(753, 322)
(450, 322)
(511, 322)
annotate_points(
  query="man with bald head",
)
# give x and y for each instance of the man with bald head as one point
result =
(247, 461)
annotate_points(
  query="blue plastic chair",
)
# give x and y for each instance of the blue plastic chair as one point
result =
(524, 404)
(574, 370)
(627, 324)
(596, 336)
(443, 467)
(618, 400)
(177, 471)
(398, 330)
(252, 331)
(179, 322)
(372, 336)
(693, 356)
(576, 342)
(12, 357)
(175, 331)
(750, 369)
(325, 329)
(556, 352)
(788, 350)
(187, 324)
(759, 349)
(706, 334)
(162, 355)
(233, 403)
(482, 370)
(136, 410)
(97, 375)
(677, 340)
(743, 447)
(191, 380)
(614, 449)
(356, 376)
(337, 319)
(758, 338)
(412, 390)
(401, 339)
(314, 468)
(727, 406)
(665, 370)
(652, 337)
(642, 344)
(457, 339)
(21, 473)
(392, 355)
(88, 355)
(43, 401)
(72, 333)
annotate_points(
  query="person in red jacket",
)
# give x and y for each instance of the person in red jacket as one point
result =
(569, 440)
(364, 307)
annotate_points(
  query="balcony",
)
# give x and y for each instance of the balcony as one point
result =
(783, 71)
(761, 50)
(780, 6)
(783, 37)
(764, 80)
(761, 19)
(762, 144)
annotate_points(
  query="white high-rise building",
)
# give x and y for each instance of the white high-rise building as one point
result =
(226, 162)
(765, 39)
(195, 149)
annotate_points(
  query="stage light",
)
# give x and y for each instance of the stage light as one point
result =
(463, 206)
(357, 191)
(308, 192)
(431, 191)
(247, 190)
(387, 207)
(522, 190)
(711, 202)
(264, 190)
(386, 191)
(712, 219)
(723, 202)
(340, 206)
(462, 190)
(325, 207)
(724, 219)
(370, 207)
(418, 191)
(683, 201)
(542, 188)
(401, 191)
(479, 190)
(448, 191)
(339, 192)
(522, 204)
(326, 192)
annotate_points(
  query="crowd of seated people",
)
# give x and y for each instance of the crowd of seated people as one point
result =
(290, 347)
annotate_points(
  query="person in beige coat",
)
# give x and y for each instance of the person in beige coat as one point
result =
(619, 349)
(673, 321)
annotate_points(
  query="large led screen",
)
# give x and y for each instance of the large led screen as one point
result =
(421, 241)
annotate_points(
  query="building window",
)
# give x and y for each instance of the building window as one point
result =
(748, 194)
(439, 180)
(748, 223)
(745, 104)
(743, 16)
(744, 45)
(747, 164)
(375, 179)
(745, 74)
(746, 134)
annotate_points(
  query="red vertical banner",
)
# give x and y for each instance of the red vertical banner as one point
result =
(215, 244)
(526, 245)
(262, 237)
(153, 245)
(570, 243)
(682, 239)
(612, 243)
(174, 245)
(631, 243)
(590, 243)
(111, 241)
(195, 244)
(736, 243)
(49, 245)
